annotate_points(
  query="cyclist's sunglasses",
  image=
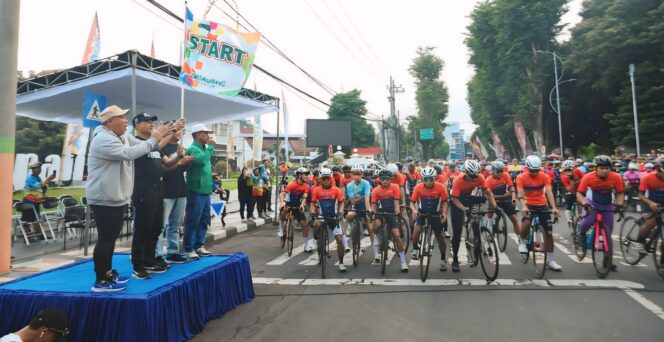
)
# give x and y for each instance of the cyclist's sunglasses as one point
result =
(472, 176)
(357, 173)
(385, 178)
(325, 178)
(428, 179)
(498, 170)
(346, 171)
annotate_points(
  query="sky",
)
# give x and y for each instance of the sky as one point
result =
(346, 44)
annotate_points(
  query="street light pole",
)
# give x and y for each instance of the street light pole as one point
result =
(636, 117)
(560, 124)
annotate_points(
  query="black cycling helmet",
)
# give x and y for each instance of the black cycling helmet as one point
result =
(335, 169)
(603, 160)
(438, 169)
(385, 173)
(411, 165)
(400, 166)
(316, 173)
(346, 168)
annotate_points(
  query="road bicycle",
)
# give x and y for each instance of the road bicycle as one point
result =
(406, 228)
(356, 233)
(654, 243)
(535, 243)
(323, 240)
(426, 244)
(480, 244)
(384, 237)
(287, 234)
(632, 202)
(500, 228)
(598, 241)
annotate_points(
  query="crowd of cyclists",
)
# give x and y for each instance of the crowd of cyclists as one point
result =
(405, 193)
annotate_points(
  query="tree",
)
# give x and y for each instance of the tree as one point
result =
(511, 79)
(432, 100)
(611, 35)
(349, 106)
(40, 137)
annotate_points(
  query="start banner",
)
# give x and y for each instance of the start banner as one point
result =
(217, 58)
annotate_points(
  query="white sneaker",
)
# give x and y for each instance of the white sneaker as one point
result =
(523, 248)
(404, 267)
(447, 235)
(314, 244)
(280, 232)
(346, 248)
(376, 260)
(193, 256)
(308, 249)
(553, 265)
(342, 268)
(201, 251)
(415, 254)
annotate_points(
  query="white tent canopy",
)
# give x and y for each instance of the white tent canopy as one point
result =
(59, 96)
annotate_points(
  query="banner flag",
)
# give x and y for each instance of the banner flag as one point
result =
(92, 47)
(217, 58)
(521, 137)
(283, 99)
(483, 150)
(230, 144)
(478, 149)
(497, 146)
(258, 139)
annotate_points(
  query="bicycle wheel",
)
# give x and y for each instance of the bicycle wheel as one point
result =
(539, 252)
(290, 231)
(658, 253)
(426, 252)
(571, 224)
(525, 256)
(284, 235)
(356, 235)
(405, 234)
(560, 199)
(384, 248)
(500, 231)
(601, 254)
(472, 243)
(580, 247)
(488, 255)
(322, 249)
(629, 233)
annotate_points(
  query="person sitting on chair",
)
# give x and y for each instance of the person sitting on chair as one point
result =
(34, 192)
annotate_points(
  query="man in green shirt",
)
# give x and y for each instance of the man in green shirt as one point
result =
(199, 187)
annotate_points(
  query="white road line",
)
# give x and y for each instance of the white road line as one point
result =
(587, 260)
(550, 283)
(649, 305)
(280, 260)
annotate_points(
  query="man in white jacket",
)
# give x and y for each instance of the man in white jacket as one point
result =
(110, 185)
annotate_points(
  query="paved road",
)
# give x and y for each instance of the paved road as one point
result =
(293, 303)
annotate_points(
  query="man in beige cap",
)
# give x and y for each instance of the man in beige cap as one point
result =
(110, 185)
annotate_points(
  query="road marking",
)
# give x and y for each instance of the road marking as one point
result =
(649, 305)
(552, 283)
(312, 260)
(348, 257)
(280, 260)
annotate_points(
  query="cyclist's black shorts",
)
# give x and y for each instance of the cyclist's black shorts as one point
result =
(435, 222)
(507, 207)
(569, 201)
(390, 220)
(297, 214)
(358, 207)
(542, 212)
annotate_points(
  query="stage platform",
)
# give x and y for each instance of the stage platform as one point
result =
(172, 306)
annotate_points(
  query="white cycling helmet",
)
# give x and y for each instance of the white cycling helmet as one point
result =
(376, 172)
(533, 162)
(649, 166)
(393, 168)
(325, 172)
(472, 168)
(357, 168)
(633, 167)
(568, 164)
(497, 165)
(428, 172)
(302, 170)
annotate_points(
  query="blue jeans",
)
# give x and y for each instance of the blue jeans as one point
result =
(198, 220)
(173, 215)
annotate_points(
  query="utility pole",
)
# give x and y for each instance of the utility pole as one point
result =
(560, 124)
(393, 122)
(9, 14)
(636, 117)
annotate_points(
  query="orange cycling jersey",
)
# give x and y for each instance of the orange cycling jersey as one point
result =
(653, 187)
(295, 192)
(385, 197)
(533, 187)
(399, 179)
(442, 178)
(599, 190)
(462, 187)
(430, 199)
(501, 185)
(327, 199)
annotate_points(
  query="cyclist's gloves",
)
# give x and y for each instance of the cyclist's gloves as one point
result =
(587, 207)
(619, 208)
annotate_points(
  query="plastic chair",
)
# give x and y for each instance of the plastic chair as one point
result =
(24, 206)
(74, 218)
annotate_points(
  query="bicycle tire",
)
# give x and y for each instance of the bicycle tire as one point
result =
(601, 257)
(384, 247)
(405, 231)
(356, 235)
(291, 233)
(322, 249)
(500, 231)
(538, 252)
(472, 242)
(560, 200)
(524, 256)
(488, 256)
(426, 251)
(658, 253)
(629, 231)
(284, 236)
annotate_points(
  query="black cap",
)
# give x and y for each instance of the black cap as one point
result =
(53, 319)
(143, 117)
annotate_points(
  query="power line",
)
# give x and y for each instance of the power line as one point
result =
(334, 34)
(167, 11)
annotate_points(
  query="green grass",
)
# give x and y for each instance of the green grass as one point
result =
(57, 192)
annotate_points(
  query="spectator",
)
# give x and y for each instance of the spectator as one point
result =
(218, 188)
(34, 192)
(49, 325)
(284, 170)
(244, 195)
(267, 185)
(199, 186)
(175, 199)
(110, 186)
(257, 192)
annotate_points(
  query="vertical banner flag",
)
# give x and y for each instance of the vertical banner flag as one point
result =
(483, 150)
(92, 47)
(283, 100)
(478, 149)
(217, 58)
(230, 144)
(521, 136)
(498, 146)
(258, 139)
